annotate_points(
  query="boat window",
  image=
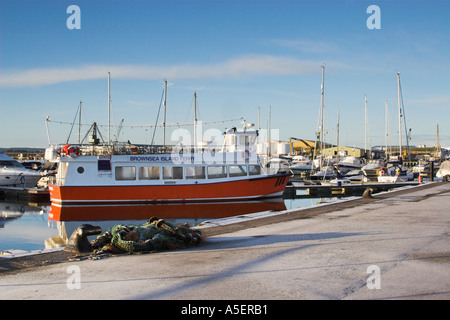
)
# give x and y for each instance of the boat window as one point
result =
(125, 173)
(237, 171)
(12, 164)
(215, 172)
(195, 172)
(254, 170)
(148, 173)
(104, 165)
(172, 172)
(244, 140)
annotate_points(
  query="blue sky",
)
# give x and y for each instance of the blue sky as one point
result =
(237, 55)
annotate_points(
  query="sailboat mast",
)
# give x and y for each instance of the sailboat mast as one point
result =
(322, 108)
(399, 116)
(438, 149)
(109, 108)
(365, 126)
(195, 120)
(386, 128)
(165, 106)
(337, 150)
(79, 125)
(269, 145)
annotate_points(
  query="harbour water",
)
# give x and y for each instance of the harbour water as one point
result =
(38, 227)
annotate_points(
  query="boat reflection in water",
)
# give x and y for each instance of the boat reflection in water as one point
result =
(70, 217)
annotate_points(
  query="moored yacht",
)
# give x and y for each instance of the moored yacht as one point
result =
(349, 163)
(14, 174)
(301, 164)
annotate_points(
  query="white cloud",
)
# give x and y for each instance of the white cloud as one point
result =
(240, 67)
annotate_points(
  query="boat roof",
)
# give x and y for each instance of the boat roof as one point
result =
(445, 164)
(4, 157)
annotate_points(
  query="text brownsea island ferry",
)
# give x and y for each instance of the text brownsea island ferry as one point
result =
(228, 172)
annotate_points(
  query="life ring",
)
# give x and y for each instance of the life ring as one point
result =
(71, 150)
(134, 150)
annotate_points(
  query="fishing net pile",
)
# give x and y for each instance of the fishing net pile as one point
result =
(154, 235)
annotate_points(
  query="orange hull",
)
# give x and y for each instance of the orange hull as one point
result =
(268, 186)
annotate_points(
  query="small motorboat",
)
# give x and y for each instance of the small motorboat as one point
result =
(14, 174)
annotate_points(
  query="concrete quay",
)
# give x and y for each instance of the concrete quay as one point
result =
(393, 246)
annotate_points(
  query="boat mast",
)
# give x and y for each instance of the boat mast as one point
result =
(399, 116)
(337, 150)
(195, 120)
(386, 129)
(79, 125)
(365, 127)
(269, 150)
(109, 108)
(438, 153)
(165, 106)
(322, 108)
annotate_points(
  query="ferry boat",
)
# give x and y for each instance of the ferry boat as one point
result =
(228, 172)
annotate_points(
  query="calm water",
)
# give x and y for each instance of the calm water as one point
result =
(24, 227)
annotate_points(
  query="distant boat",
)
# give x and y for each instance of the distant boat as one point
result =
(371, 168)
(422, 168)
(349, 163)
(338, 182)
(14, 174)
(326, 173)
(356, 175)
(444, 170)
(278, 165)
(300, 164)
(395, 173)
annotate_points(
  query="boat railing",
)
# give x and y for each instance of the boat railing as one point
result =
(130, 149)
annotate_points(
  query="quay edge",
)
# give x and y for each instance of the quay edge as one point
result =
(27, 260)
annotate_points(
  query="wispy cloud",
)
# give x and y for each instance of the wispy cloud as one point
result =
(245, 66)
